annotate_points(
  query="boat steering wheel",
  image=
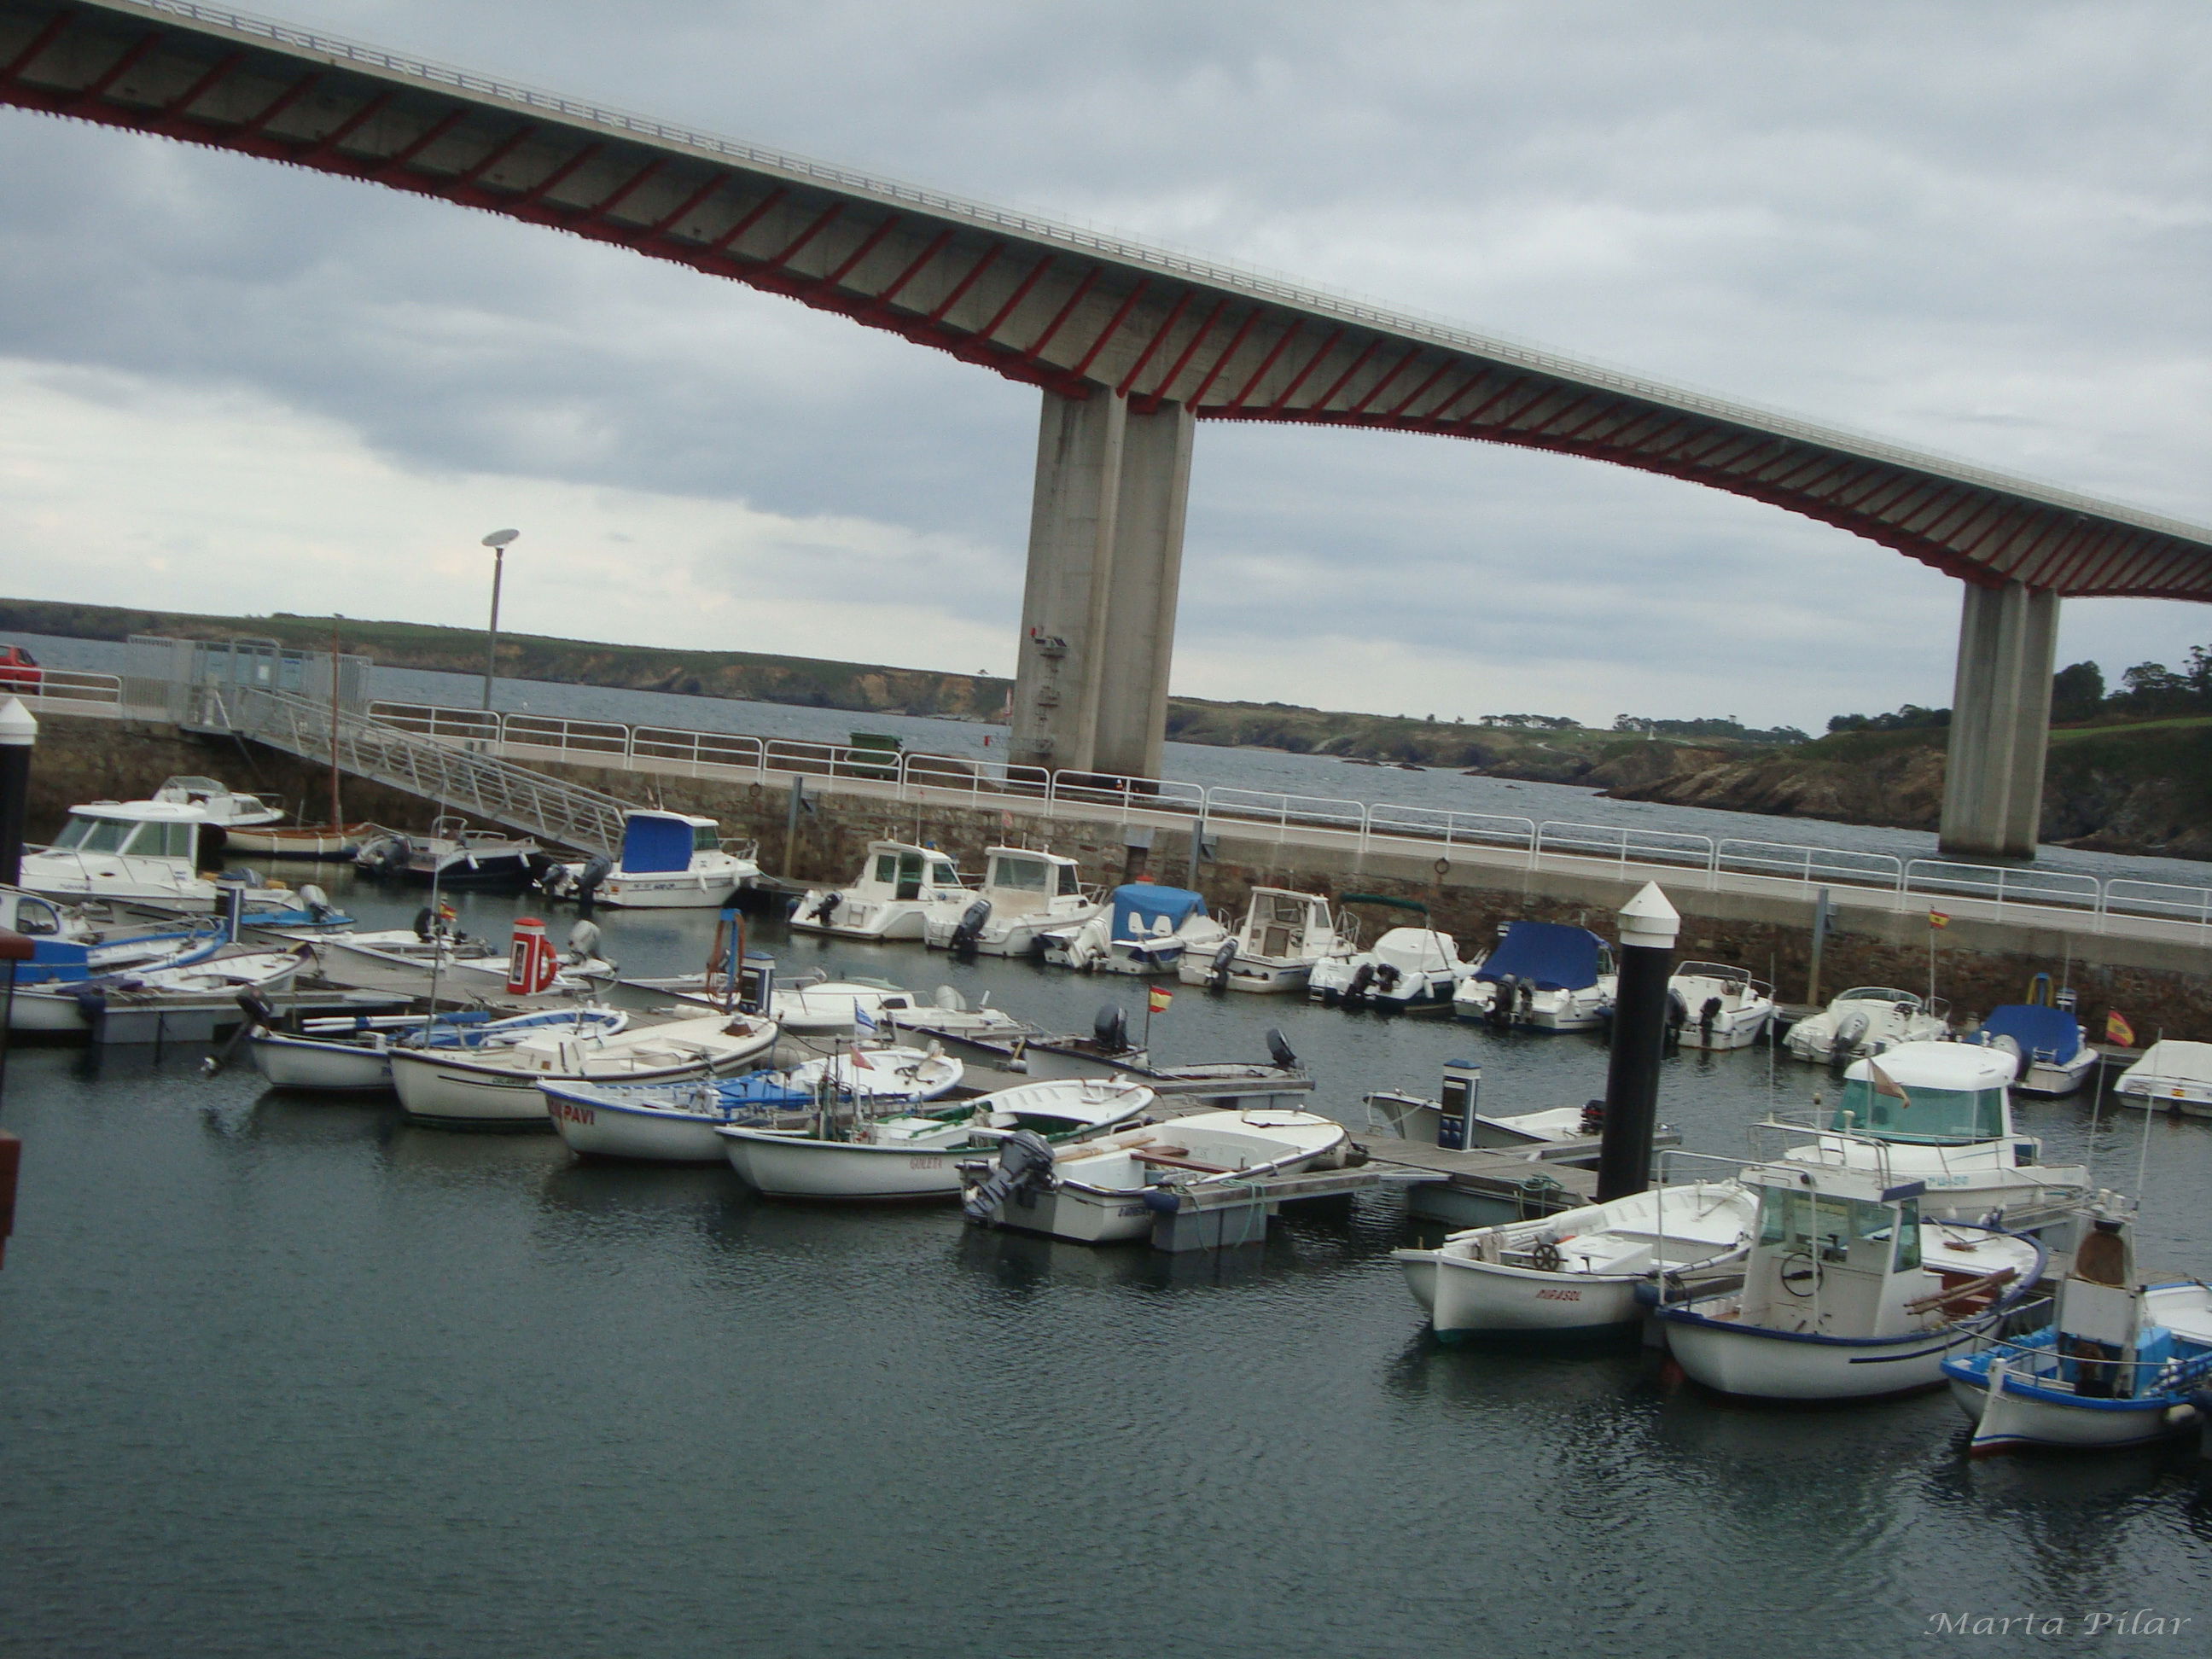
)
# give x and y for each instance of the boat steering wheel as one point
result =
(1810, 1273)
(1543, 1256)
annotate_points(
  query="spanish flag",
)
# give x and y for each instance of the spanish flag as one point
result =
(1939, 919)
(1884, 1084)
(1161, 996)
(2118, 1032)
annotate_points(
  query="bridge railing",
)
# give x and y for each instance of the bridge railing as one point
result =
(1881, 878)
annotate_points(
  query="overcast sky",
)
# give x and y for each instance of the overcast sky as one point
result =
(1979, 228)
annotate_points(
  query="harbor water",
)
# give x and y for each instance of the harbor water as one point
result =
(287, 1376)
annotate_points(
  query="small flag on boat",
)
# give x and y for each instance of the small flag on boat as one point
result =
(860, 1060)
(1884, 1084)
(863, 1021)
(1161, 996)
(1939, 919)
(2118, 1032)
(445, 912)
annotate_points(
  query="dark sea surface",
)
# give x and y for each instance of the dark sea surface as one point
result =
(1317, 777)
(285, 1377)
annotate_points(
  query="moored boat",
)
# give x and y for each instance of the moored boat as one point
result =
(1711, 1005)
(1144, 929)
(1543, 976)
(1284, 934)
(1867, 1019)
(900, 887)
(1025, 894)
(354, 1056)
(667, 861)
(2171, 1075)
(212, 980)
(1576, 1274)
(1404, 967)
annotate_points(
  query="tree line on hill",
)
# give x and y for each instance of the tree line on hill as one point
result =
(2078, 694)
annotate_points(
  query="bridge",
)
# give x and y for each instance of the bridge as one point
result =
(1130, 347)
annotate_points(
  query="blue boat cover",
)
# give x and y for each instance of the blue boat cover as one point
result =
(1142, 906)
(1551, 955)
(652, 843)
(762, 1091)
(2047, 1033)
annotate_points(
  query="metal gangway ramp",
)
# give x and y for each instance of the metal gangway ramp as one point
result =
(450, 774)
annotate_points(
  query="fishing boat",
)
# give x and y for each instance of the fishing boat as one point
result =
(1456, 1121)
(899, 888)
(453, 856)
(873, 1075)
(128, 850)
(2172, 1075)
(1284, 934)
(1576, 1274)
(219, 803)
(78, 1006)
(1144, 929)
(2047, 1043)
(667, 861)
(917, 1155)
(431, 946)
(1848, 1292)
(2117, 1365)
(318, 842)
(1939, 1114)
(338, 1055)
(1404, 967)
(1543, 976)
(1711, 1005)
(1108, 1189)
(499, 1089)
(1868, 1019)
(68, 949)
(1025, 894)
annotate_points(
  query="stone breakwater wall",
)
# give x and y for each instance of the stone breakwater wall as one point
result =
(2162, 986)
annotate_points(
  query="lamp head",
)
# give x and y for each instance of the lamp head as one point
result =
(500, 538)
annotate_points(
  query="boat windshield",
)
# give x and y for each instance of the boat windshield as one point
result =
(887, 868)
(1926, 1115)
(1028, 875)
(1070, 880)
(1878, 993)
(944, 874)
(1820, 1222)
(92, 835)
(706, 837)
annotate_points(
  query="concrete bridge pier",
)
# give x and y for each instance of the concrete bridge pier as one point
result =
(2000, 722)
(1105, 561)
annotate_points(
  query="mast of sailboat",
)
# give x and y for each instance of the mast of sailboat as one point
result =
(337, 811)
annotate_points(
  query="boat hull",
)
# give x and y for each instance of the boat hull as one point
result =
(459, 1096)
(330, 1067)
(791, 1166)
(1478, 1300)
(680, 891)
(592, 1128)
(2018, 1418)
(1755, 1364)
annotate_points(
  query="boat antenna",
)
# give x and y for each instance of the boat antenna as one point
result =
(437, 943)
(337, 811)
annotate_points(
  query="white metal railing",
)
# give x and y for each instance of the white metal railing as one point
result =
(62, 687)
(1880, 878)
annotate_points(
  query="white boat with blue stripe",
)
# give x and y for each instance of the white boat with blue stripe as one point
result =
(668, 861)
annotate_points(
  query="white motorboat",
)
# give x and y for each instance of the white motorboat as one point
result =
(124, 850)
(1868, 1019)
(468, 961)
(900, 887)
(1025, 894)
(320, 842)
(1110, 1190)
(2046, 1041)
(2117, 1365)
(2172, 1075)
(1576, 1274)
(1939, 1114)
(453, 855)
(1455, 1120)
(1711, 1005)
(1284, 934)
(1144, 928)
(354, 1056)
(1848, 1293)
(67, 949)
(1404, 969)
(499, 1089)
(1543, 976)
(830, 1006)
(668, 861)
(219, 803)
(917, 1155)
(73, 1007)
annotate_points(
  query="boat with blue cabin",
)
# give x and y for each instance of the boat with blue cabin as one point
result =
(1144, 928)
(668, 861)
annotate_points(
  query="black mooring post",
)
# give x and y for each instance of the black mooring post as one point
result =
(1648, 926)
(19, 735)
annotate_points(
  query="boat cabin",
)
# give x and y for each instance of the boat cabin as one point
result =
(655, 842)
(1953, 1093)
(1283, 926)
(169, 831)
(898, 870)
(1836, 1252)
(1019, 881)
(1145, 911)
(222, 804)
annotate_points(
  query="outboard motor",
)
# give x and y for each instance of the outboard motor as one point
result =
(596, 870)
(260, 1016)
(1217, 977)
(318, 902)
(1593, 1120)
(583, 942)
(1708, 1016)
(970, 928)
(1280, 1049)
(1504, 996)
(1362, 977)
(1110, 1029)
(1386, 978)
(827, 908)
(1850, 1031)
(1678, 1016)
(1024, 1163)
(426, 925)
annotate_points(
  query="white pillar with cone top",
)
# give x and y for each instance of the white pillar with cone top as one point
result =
(1105, 561)
(2000, 722)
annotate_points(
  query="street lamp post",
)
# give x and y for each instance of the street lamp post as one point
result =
(497, 541)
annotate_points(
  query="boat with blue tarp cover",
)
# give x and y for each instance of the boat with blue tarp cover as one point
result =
(1543, 976)
(1146, 928)
(2048, 1042)
(668, 861)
